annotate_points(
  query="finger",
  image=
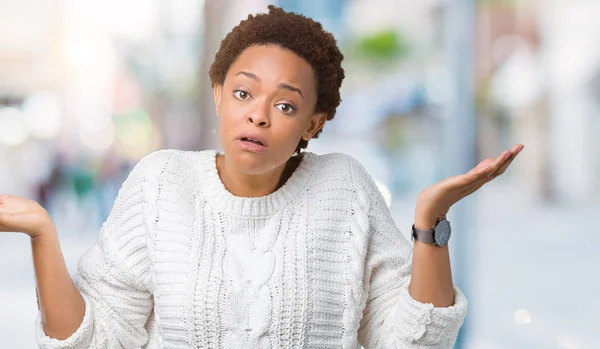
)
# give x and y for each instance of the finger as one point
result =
(514, 152)
(478, 171)
(504, 166)
(474, 179)
(505, 156)
(484, 172)
(489, 168)
(485, 162)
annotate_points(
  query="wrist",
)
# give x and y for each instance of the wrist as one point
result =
(47, 230)
(431, 229)
(425, 221)
(426, 215)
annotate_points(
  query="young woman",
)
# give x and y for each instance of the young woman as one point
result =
(261, 245)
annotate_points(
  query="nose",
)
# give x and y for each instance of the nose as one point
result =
(260, 115)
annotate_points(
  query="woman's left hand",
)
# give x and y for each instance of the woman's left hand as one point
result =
(436, 200)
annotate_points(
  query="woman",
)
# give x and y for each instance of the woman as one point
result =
(261, 245)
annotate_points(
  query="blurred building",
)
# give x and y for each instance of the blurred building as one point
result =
(88, 88)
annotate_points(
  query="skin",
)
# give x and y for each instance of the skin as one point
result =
(272, 106)
(273, 92)
(272, 78)
(61, 305)
(431, 280)
(250, 175)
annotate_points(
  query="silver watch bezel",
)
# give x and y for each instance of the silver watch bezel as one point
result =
(435, 233)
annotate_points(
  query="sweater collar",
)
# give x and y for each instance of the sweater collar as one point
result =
(224, 200)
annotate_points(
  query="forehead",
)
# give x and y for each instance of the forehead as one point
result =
(273, 64)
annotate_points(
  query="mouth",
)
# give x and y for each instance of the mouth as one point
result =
(252, 143)
(252, 140)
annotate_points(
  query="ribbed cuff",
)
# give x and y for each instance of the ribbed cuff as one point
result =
(80, 339)
(415, 322)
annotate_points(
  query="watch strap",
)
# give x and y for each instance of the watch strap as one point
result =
(425, 236)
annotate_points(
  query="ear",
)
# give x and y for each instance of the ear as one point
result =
(217, 93)
(316, 122)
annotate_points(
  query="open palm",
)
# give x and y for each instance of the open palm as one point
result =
(436, 200)
(19, 214)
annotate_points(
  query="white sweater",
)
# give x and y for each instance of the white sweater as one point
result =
(183, 263)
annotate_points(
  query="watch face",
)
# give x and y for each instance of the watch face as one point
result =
(442, 233)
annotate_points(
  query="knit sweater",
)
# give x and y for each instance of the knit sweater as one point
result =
(181, 262)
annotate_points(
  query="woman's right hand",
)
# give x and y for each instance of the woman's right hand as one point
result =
(19, 214)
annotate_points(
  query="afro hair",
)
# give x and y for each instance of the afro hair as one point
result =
(294, 32)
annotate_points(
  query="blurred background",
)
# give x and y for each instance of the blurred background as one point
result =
(89, 87)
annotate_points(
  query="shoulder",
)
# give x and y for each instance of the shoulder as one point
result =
(152, 163)
(335, 161)
(346, 166)
(159, 161)
(174, 170)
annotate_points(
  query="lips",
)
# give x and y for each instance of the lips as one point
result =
(251, 146)
(252, 138)
(246, 139)
(251, 142)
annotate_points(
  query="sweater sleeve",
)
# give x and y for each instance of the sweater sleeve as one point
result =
(391, 317)
(114, 276)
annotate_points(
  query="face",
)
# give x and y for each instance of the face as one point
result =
(265, 106)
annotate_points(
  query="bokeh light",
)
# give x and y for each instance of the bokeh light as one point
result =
(98, 139)
(522, 317)
(13, 130)
(43, 115)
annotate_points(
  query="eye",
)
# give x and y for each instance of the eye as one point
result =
(286, 108)
(241, 94)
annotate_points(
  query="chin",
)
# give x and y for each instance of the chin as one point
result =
(251, 163)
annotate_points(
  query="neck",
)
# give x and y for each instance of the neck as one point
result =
(245, 185)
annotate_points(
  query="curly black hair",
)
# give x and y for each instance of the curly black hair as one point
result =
(294, 32)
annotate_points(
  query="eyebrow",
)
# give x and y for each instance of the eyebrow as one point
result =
(282, 85)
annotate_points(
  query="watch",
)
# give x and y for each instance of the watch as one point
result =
(439, 235)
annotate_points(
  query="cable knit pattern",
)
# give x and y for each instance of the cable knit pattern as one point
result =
(182, 263)
(392, 318)
(114, 275)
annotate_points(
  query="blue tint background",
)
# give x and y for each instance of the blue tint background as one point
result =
(432, 87)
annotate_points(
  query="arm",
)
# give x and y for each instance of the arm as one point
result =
(431, 280)
(392, 318)
(61, 304)
(113, 277)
